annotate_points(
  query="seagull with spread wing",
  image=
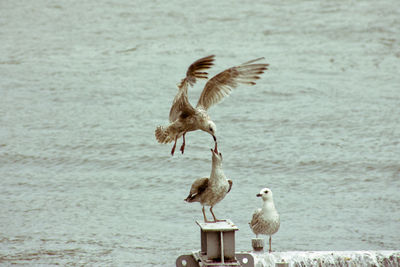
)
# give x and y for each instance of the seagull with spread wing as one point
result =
(185, 118)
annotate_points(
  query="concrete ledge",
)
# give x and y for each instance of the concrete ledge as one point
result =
(328, 258)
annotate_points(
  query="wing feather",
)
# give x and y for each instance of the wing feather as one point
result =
(198, 187)
(255, 219)
(223, 83)
(181, 105)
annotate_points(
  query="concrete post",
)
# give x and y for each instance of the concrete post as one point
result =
(257, 244)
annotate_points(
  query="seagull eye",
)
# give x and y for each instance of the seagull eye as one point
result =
(211, 129)
(266, 191)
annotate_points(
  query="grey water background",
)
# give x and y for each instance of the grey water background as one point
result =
(84, 84)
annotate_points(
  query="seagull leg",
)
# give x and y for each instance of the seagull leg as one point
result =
(183, 144)
(215, 219)
(173, 148)
(204, 214)
(270, 241)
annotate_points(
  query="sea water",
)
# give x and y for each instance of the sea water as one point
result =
(84, 84)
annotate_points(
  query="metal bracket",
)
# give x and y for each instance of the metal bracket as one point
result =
(186, 261)
(245, 259)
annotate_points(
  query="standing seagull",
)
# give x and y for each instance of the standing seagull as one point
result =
(183, 117)
(265, 221)
(210, 191)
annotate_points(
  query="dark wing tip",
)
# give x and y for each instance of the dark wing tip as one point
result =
(189, 198)
(195, 70)
(253, 60)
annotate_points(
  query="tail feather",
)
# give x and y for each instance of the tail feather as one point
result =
(162, 135)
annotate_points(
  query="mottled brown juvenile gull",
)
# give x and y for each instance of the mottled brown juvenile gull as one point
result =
(265, 220)
(210, 191)
(183, 117)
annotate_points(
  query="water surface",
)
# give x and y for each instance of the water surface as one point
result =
(84, 84)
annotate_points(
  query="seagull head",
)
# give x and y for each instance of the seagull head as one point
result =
(211, 128)
(265, 194)
(216, 155)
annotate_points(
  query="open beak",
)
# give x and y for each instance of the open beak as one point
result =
(215, 150)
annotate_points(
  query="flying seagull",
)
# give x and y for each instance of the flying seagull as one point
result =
(265, 220)
(183, 117)
(210, 191)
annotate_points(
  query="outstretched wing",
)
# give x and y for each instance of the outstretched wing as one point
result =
(222, 84)
(181, 105)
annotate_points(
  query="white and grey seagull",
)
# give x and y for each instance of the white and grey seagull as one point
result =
(265, 220)
(210, 191)
(183, 117)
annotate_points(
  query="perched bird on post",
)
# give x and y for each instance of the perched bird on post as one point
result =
(265, 220)
(210, 191)
(183, 117)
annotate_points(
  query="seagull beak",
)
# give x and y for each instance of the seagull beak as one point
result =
(258, 195)
(216, 148)
(215, 138)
